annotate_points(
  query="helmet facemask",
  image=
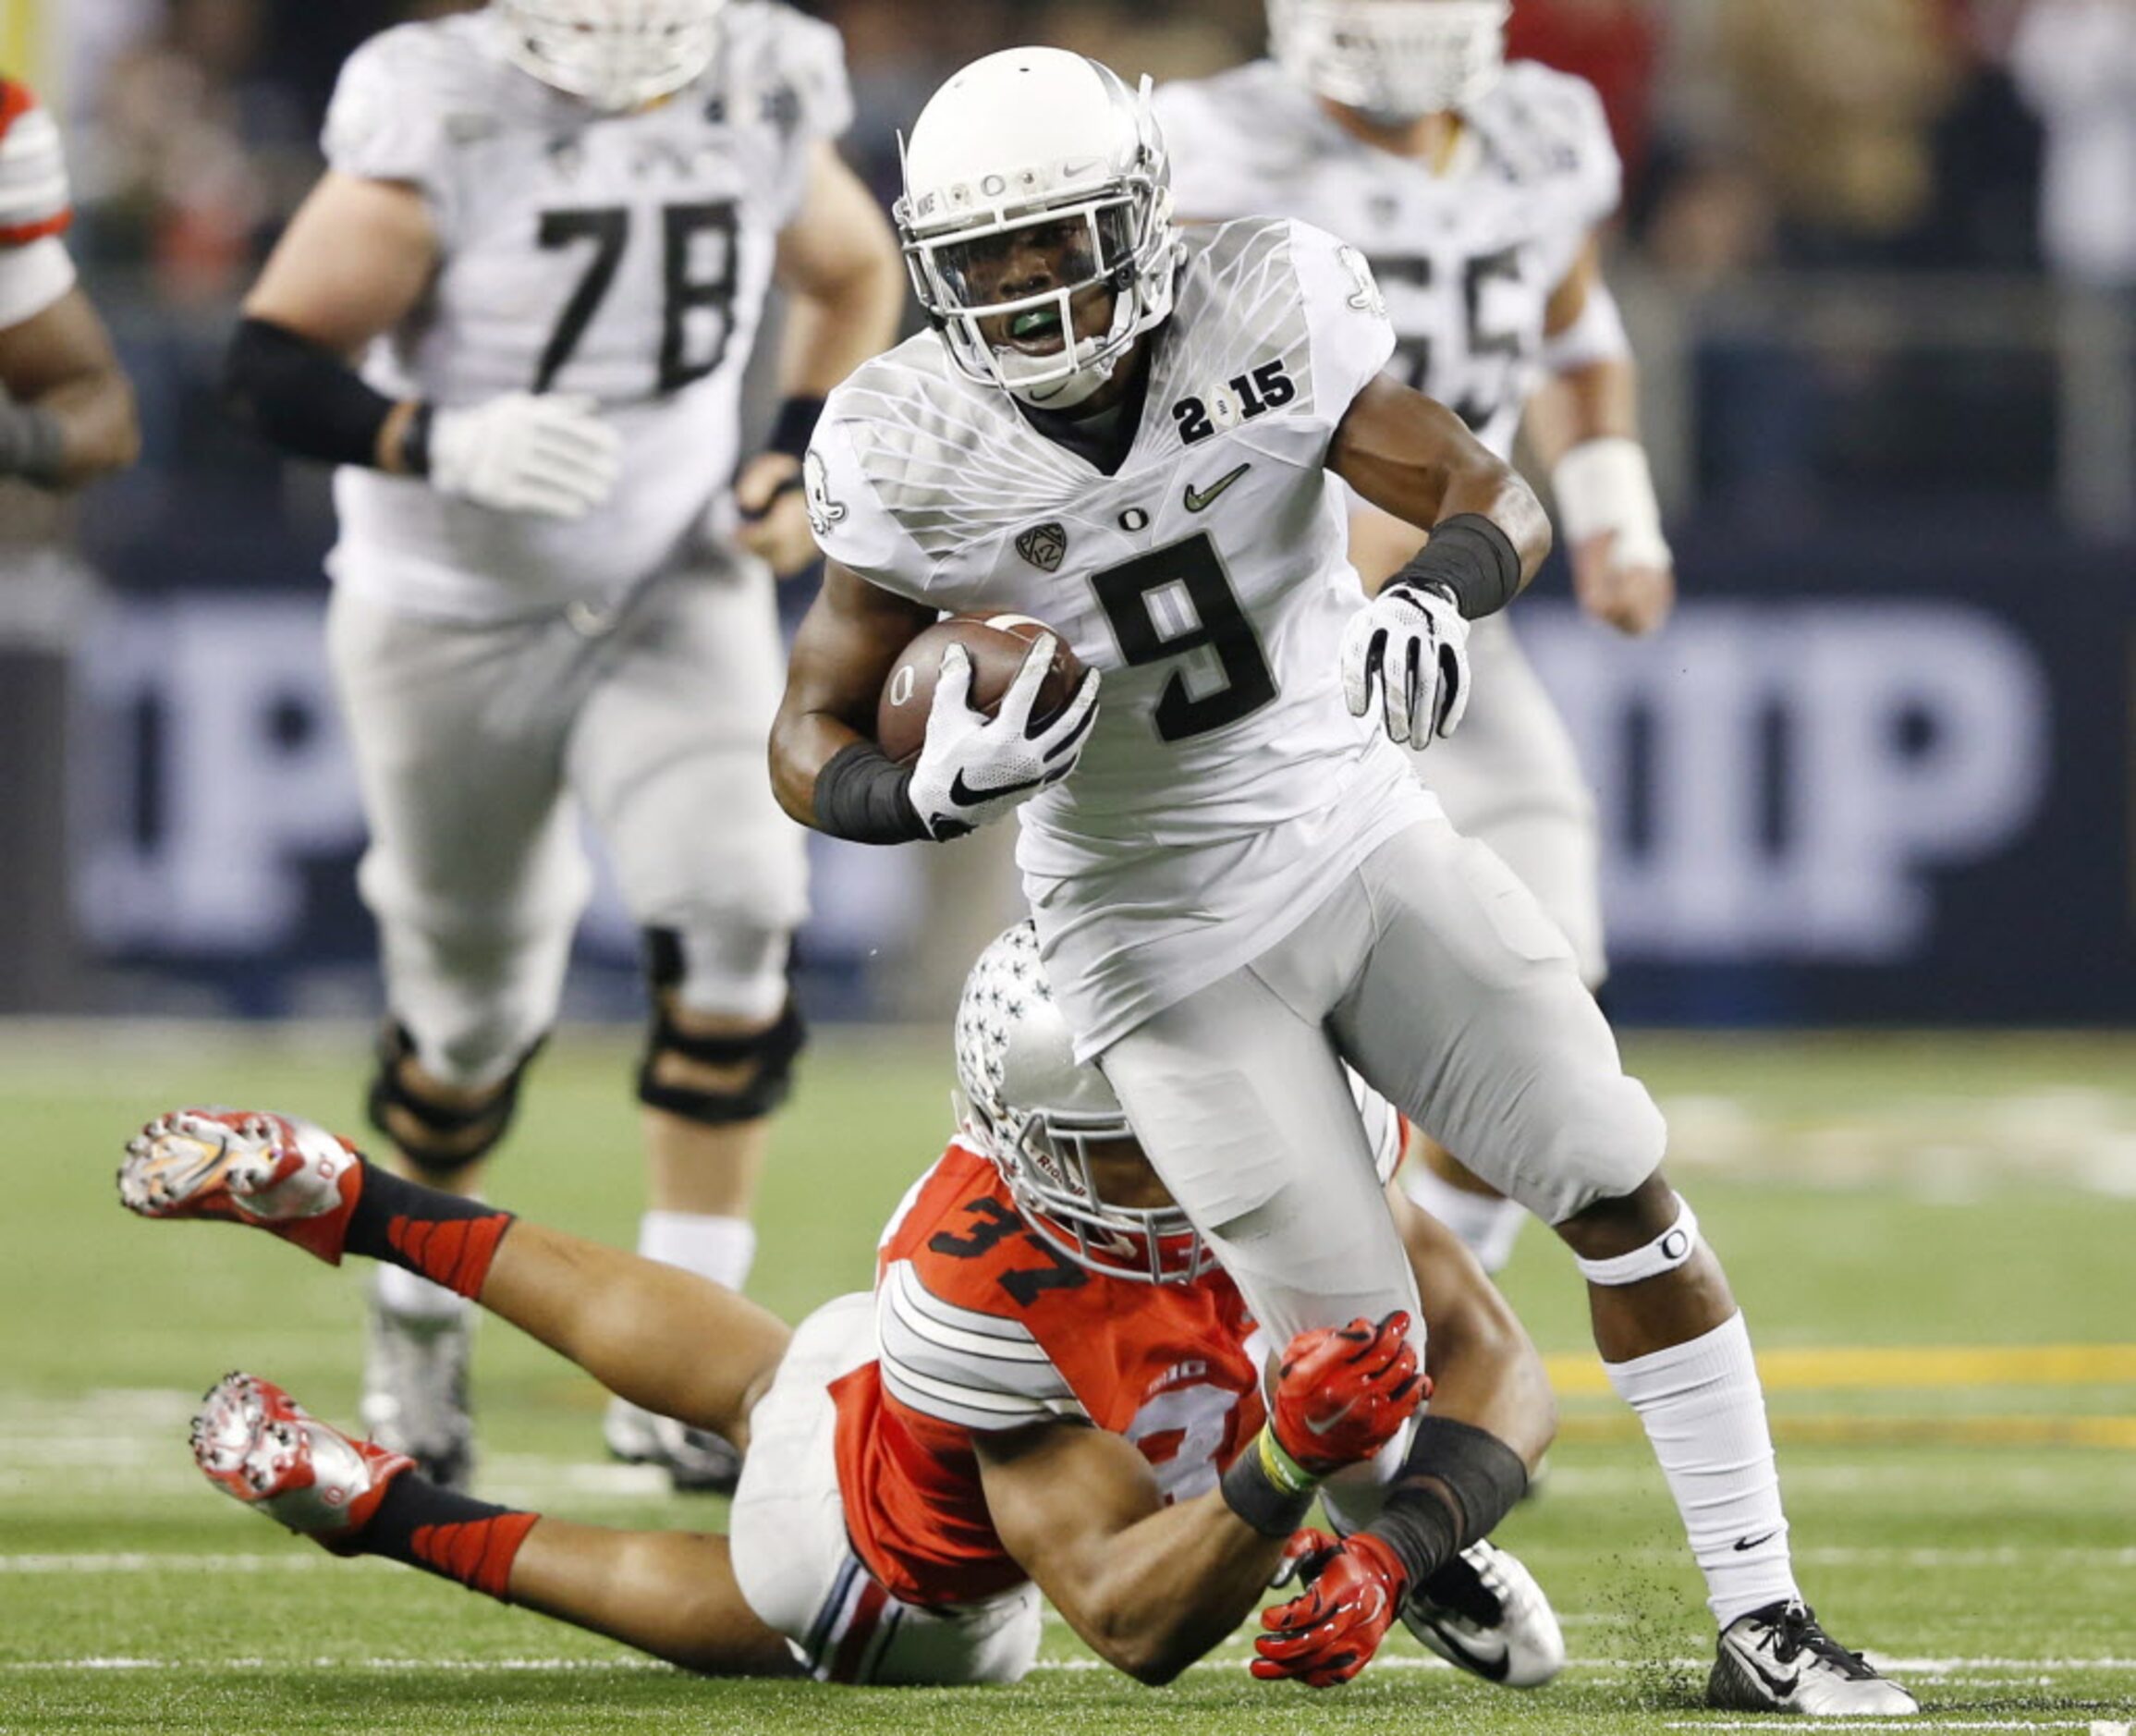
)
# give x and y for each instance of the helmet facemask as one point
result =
(615, 55)
(1043, 1119)
(1394, 61)
(1012, 227)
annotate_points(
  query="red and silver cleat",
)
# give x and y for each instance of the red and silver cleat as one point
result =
(265, 1449)
(284, 1174)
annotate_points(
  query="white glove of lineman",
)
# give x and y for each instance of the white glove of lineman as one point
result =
(553, 455)
(1412, 641)
(973, 768)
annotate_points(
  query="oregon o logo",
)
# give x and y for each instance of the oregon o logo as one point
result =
(901, 684)
(1675, 1245)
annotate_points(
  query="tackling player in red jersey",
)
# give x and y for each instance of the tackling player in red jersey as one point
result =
(1052, 1390)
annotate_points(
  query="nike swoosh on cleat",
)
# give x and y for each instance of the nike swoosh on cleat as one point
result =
(1783, 1687)
(964, 796)
(1751, 1543)
(1199, 498)
(1491, 1669)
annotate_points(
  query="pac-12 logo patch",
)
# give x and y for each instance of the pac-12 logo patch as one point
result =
(1044, 544)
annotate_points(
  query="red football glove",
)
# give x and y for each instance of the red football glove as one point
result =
(1328, 1635)
(1342, 1395)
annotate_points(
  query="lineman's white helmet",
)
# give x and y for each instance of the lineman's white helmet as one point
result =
(1032, 1107)
(1026, 140)
(615, 55)
(1393, 60)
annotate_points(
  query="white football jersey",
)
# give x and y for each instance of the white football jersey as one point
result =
(622, 256)
(1225, 786)
(1465, 260)
(34, 268)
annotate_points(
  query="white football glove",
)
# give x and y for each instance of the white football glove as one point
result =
(1412, 641)
(973, 768)
(553, 455)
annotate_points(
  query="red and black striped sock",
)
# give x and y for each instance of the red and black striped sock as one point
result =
(436, 1235)
(450, 1534)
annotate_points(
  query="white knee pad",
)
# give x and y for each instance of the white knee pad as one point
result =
(734, 968)
(1667, 1251)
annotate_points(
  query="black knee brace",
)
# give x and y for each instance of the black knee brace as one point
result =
(772, 1050)
(446, 1139)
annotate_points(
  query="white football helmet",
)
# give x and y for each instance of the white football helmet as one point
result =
(1038, 138)
(1392, 60)
(615, 55)
(1024, 1100)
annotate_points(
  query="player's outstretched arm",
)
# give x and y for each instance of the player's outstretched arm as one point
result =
(60, 379)
(837, 263)
(1491, 1418)
(1582, 420)
(1149, 1587)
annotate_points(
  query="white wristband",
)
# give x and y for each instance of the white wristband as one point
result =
(1605, 485)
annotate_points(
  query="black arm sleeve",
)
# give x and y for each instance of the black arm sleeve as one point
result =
(1456, 1484)
(301, 396)
(861, 795)
(1471, 559)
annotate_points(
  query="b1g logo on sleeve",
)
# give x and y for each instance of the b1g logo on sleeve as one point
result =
(1243, 397)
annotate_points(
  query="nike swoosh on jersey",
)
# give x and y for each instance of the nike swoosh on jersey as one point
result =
(1198, 499)
(964, 796)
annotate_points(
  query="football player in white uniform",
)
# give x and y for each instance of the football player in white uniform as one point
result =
(1476, 189)
(549, 229)
(1143, 439)
(66, 412)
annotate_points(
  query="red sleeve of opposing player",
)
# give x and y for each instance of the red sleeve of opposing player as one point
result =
(33, 202)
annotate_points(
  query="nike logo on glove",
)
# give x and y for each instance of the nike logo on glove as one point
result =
(1199, 498)
(964, 796)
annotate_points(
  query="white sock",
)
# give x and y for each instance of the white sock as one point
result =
(1704, 1413)
(1486, 1225)
(400, 1291)
(719, 1248)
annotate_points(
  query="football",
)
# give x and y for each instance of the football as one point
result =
(996, 645)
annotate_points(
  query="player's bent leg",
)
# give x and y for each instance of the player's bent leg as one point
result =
(718, 1060)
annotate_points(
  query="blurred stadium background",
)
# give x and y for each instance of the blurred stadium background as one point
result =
(1879, 258)
(1879, 261)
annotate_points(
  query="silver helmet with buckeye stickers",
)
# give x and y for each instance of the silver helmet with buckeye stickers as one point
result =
(1027, 1103)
